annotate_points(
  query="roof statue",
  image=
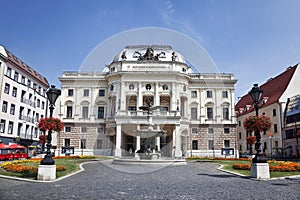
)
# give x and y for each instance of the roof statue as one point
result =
(149, 55)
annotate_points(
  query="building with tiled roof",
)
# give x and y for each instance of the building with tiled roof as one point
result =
(22, 100)
(276, 92)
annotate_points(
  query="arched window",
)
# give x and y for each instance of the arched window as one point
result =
(165, 87)
(131, 86)
(148, 87)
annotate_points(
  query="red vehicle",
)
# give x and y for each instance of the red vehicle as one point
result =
(12, 152)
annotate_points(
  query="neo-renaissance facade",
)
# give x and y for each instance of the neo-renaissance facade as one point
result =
(148, 97)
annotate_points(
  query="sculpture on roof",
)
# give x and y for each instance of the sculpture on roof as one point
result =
(149, 55)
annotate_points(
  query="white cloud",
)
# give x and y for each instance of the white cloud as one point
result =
(179, 22)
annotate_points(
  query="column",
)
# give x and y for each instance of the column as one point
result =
(178, 151)
(157, 142)
(173, 98)
(140, 96)
(118, 152)
(156, 95)
(138, 140)
(123, 97)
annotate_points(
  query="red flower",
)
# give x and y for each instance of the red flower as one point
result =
(48, 123)
(251, 140)
(257, 123)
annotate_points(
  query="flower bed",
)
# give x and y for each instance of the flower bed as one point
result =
(210, 158)
(274, 166)
(17, 167)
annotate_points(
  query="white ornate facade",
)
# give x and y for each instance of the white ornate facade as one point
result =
(103, 111)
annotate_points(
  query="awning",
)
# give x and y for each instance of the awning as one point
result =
(15, 146)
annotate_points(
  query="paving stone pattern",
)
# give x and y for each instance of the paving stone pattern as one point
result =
(197, 180)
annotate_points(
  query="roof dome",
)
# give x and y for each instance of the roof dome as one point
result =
(149, 53)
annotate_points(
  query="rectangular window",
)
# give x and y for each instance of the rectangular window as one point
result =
(194, 130)
(8, 72)
(99, 144)
(35, 132)
(211, 144)
(28, 83)
(85, 112)
(226, 113)
(4, 106)
(6, 88)
(38, 103)
(14, 92)
(194, 94)
(83, 129)
(275, 128)
(86, 92)
(68, 129)
(132, 108)
(100, 112)
(69, 111)
(211, 130)
(67, 142)
(101, 93)
(194, 113)
(43, 105)
(12, 109)
(265, 145)
(23, 80)
(209, 94)
(240, 135)
(224, 94)
(100, 130)
(83, 143)
(226, 143)
(239, 123)
(195, 144)
(10, 127)
(226, 130)
(274, 112)
(2, 125)
(70, 92)
(210, 113)
(16, 76)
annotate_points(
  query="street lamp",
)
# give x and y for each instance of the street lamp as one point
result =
(52, 94)
(256, 94)
(270, 137)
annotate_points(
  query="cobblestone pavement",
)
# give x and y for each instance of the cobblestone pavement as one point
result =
(197, 180)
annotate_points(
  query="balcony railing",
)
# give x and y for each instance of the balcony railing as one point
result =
(26, 118)
(28, 101)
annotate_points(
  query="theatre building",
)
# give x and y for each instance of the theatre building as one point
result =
(148, 97)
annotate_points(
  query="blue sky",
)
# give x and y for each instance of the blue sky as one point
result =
(253, 39)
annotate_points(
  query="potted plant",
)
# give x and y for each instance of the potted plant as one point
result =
(50, 123)
(257, 123)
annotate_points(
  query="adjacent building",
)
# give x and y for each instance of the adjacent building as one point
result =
(148, 97)
(22, 100)
(291, 136)
(276, 92)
